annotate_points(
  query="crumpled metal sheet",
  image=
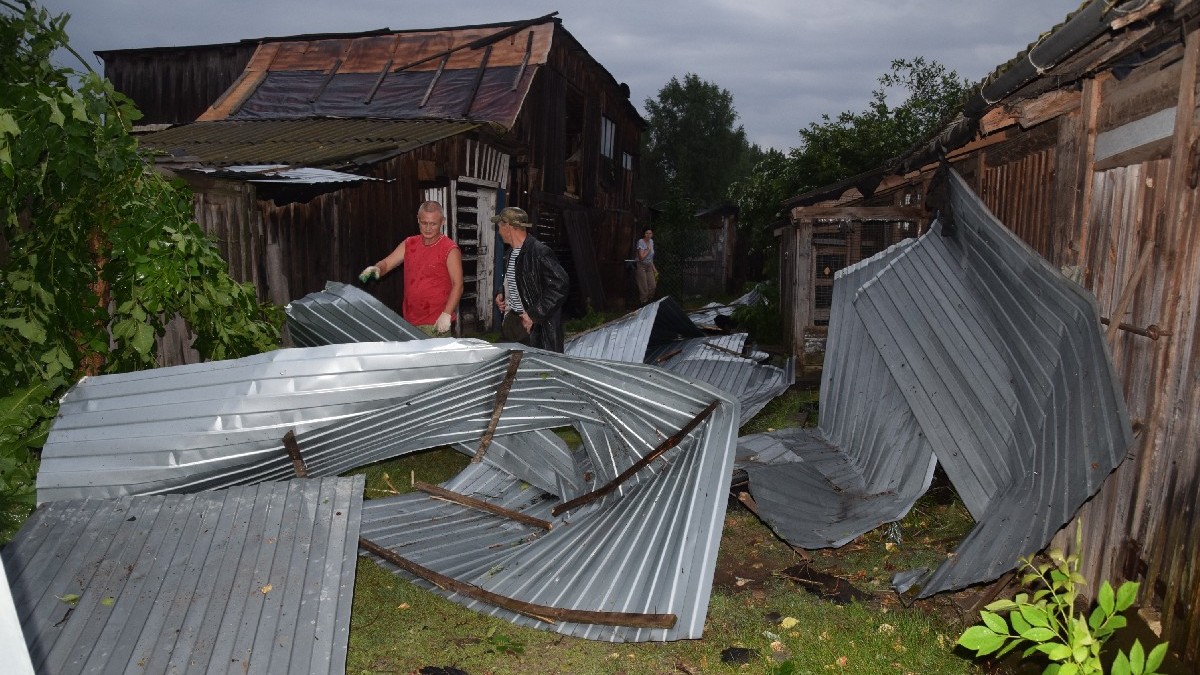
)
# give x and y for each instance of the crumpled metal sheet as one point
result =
(647, 546)
(220, 581)
(662, 334)
(866, 463)
(342, 313)
(999, 362)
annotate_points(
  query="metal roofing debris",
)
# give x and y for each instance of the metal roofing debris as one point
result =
(661, 333)
(342, 313)
(283, 174)
(969, 343)
(256, 579)
(636, 509)
(323, 143)
(706, 316)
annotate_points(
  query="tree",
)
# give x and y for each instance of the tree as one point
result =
(692, 145)
(852, 143)
(97, 251)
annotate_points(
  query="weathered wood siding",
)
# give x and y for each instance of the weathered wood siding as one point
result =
(175, 85)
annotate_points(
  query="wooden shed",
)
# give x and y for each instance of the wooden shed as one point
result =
(476, 117)
(1087, 146)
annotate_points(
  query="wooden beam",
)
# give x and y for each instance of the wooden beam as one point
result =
(543, 613)
(293, 450)
(524, 62)
(471, 502)
(514, 362)
(639, 465)
(483, 63)
(437, 75)
(887, 213)
(1048, 106)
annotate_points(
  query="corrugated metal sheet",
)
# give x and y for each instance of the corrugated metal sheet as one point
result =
(341, 314)
(1001, 363)
(283, 174)
(706, 317)
(251, 579)
(219, 424)
(650, 476)
(323, 143)
(866, 463)
(661, 333)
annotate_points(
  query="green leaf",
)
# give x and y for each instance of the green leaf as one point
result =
(32, 331)
(143, 341)
(981, 639)
(1038, 634)
(1155, 659)
(69, 598)
(1036, 616)
(994, 622)
(1126, 595)
(1120, 665)
(1137, 658)
(1106, 598)
(108, 602)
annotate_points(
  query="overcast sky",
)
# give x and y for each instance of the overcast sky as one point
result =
(786, 62)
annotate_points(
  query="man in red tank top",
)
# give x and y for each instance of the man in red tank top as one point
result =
(433, 277)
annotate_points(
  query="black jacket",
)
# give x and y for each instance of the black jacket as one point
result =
(542, 284)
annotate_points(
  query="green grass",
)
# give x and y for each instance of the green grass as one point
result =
(397, 627)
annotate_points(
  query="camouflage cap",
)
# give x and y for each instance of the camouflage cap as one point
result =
(513, 216)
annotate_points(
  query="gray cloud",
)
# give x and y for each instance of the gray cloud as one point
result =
(786, 62)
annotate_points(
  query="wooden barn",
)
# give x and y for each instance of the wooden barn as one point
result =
(1086, 146)
(309, 155)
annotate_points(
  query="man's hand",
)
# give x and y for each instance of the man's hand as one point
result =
(369, 272)
(503, 306)
(527, 322)
(443, 323)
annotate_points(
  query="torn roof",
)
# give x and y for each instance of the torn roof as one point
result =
(635, 510)
(258, 577)
(325, 143)
(968, 344)
(471, 73)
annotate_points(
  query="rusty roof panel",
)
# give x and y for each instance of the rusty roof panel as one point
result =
(404, 75)
(255, 578)
(323, 143)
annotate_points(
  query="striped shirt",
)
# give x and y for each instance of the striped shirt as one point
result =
(511, 296)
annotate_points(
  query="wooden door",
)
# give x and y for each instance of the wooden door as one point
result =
(473, 206)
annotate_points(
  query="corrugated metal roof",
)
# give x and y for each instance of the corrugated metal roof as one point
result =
(342, 313)
(324, 143)
(661, 333)
(998, 360)
(637, 508)
(283, 174)
(250, 579)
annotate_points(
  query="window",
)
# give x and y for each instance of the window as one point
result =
(608, 136)
(627, 161)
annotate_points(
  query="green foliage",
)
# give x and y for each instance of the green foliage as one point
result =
(502, 644)
(851, 143)
(1048, 623)
(692, 145)
(762, 319)
(97, 251)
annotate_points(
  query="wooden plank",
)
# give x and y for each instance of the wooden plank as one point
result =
(888, 213)
(293, 450)
(471, 502)
(514, 362)
(543, 613)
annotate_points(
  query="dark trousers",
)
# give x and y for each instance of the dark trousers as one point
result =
(512, 330)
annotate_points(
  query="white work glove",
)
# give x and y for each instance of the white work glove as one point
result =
(442, 325)
(369, 272)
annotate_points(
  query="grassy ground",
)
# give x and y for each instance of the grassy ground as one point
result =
(779, 625)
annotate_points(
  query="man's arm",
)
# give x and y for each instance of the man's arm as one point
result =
(392, 261)
(454, 267)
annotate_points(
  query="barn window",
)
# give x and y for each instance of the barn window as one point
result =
(627, 161)
(608, 136)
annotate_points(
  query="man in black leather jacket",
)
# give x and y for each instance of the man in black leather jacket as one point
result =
(535, 285)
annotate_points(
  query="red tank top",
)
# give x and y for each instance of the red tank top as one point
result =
(426, 279)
